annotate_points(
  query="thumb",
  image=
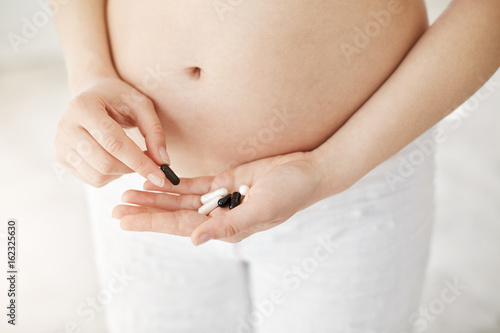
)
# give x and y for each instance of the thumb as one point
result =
(150, 127)
(227, 225)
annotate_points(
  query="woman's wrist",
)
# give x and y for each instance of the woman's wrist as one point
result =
(327, 173)
(80, 80)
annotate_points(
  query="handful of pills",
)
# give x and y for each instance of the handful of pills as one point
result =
(222, 198)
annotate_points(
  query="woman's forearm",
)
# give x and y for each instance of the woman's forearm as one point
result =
(447, 65)
(82, 29)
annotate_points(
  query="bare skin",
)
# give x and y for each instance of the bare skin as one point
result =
(265, 78)
(221, 82)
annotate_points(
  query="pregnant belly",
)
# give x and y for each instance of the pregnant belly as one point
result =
(235, 81)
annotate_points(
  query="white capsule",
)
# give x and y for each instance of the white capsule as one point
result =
(210, 205)
(206, 197)
(243, 189)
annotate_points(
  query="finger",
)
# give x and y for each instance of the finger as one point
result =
(123, 210)
(198, 185)
(75, 164)
(228, 226)
(233, 178)
(96, 156)
(180, 223)
(146, 119)
(113, 139)
(162, 200)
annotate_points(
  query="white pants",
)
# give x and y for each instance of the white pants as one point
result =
(353, 262)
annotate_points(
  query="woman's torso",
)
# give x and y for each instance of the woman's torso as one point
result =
(276, 76)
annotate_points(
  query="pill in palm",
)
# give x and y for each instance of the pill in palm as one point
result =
(220, 192)
(224, 201)
(209, 205)
(235, 200)
(243, 189)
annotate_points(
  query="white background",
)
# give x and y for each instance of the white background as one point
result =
(56, 257)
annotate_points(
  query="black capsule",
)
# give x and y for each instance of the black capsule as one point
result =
(223, 202)
(235, 200)
(171, 176)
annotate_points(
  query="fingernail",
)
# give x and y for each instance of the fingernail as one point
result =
(164, 156)
(203, 239)
(156, 180)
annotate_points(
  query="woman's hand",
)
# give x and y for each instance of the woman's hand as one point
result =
(90, 140)
(279, 187)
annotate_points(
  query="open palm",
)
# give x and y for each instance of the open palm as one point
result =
(279, 187)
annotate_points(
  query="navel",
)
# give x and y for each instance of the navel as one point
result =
(194, 72)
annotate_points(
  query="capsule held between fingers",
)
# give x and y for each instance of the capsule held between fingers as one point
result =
(171, 176)
(235, 200)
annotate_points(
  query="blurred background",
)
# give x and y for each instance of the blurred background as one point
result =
(57, 272)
